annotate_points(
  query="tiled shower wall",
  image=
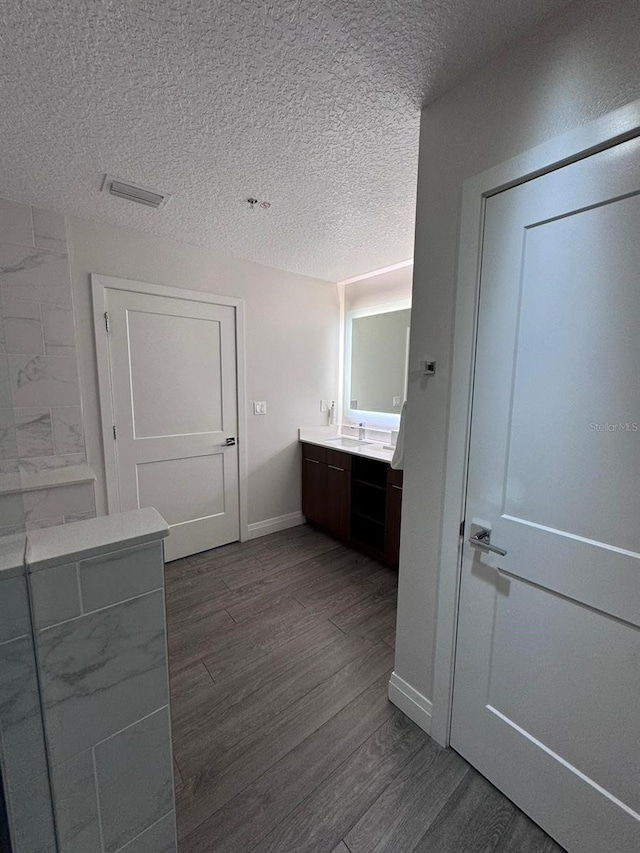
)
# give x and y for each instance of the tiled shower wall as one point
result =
(40, 407)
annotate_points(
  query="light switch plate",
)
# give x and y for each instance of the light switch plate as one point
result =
(259, 407)
(324, 406)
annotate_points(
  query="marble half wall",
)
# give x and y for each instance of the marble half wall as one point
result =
(22, 748)
(44, 478)
(97, 596)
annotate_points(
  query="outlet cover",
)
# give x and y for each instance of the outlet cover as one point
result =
(259, 407)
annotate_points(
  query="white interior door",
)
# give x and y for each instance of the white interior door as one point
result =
(174, 393)
(547, 676)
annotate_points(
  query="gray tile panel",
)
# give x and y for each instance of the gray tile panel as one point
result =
(134, 771)
(77, 817)
(55, 595)
(117, 577)
(15, 619)
(102, 672)
(159, 838)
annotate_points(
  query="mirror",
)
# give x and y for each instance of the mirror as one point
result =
(376, 360)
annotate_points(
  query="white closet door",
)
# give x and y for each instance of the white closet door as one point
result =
(547, 677)
(174, 389)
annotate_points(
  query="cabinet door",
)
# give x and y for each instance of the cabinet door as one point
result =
(337, 500)
(392, 524)
(314, 490)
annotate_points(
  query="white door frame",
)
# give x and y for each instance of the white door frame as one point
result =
(99, 285)
(615, 127)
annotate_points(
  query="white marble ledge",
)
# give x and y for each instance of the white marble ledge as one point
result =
(45, 478)
(69, 543)
(12, 550)
(322, 436)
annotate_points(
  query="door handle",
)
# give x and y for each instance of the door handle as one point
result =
(481, 536)
(229, 442)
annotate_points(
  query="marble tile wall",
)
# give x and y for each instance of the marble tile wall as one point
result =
(22, 752)
(41, 423)
(101, 648)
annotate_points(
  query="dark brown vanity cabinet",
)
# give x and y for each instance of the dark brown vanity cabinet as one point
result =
(354, 498)
(326, 486)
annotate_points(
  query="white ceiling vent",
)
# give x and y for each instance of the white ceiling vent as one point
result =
(142, 195)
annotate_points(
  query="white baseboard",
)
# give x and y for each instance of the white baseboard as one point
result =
(272, 525)
(416, 706)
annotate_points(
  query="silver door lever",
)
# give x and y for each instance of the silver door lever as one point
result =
(481, 536)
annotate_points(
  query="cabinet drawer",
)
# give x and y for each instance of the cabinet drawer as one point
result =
(394, 478)
(312, 451)
(338, 459)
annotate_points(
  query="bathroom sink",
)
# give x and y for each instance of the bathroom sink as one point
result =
(343, 441)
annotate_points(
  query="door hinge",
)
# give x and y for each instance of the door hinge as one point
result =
(462, 527)
(115, 432)
(107, 323)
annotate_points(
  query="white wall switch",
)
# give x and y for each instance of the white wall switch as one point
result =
(259, 407)
(396, 401)
(324, 406)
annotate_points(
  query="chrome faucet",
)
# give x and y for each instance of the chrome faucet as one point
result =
(362, 432)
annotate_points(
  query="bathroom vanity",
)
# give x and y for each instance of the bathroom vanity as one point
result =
(350, 491)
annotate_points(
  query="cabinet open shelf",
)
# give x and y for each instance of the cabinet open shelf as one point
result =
(369, 535)
(369, 485)
(368, 502)
(370, 471)
(369, 518)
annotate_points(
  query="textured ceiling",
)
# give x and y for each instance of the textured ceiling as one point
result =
(311, 105)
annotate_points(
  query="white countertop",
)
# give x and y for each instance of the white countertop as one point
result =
(68, 543)
(322, 436)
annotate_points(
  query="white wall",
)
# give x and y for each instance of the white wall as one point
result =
(386, 287)
(292, 325)
(570, 71)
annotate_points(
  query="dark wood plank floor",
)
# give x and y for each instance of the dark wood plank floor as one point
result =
(280, 655)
